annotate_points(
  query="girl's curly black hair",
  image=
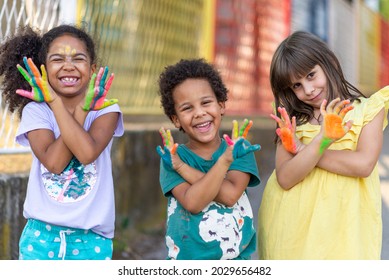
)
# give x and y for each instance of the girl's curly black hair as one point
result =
(174, 75)
(27, 42)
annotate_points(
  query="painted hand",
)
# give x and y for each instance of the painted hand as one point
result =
(40, 91)
(97, 91)
(286, 131)
(169, 147)
(241, 146)
(333, 121)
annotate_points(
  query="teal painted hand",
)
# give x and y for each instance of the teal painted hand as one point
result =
(169, 147)
(241, 146)
(40, 91)
(97, 91)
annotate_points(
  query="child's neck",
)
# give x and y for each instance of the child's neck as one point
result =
(204, 150)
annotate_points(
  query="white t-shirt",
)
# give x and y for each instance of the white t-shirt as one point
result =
(82, 196)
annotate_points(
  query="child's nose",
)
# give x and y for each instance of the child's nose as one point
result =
(309, 89)
(199, 112)
(68, 62)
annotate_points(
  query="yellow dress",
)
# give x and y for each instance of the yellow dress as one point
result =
(326, 216)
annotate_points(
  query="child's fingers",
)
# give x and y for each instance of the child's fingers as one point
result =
(277, 119)
(25, 93)
(228, 140)
(160, 151)
(104, 77)
(44, 73)
(174, 149)
(294, 123)
(91, 88)
(338, 107)
(253, 148)
(90, 94)
(24, 73)
(34, 70)
(348, 126)
(286, 118)
(171, 139)
(45, 85)
(323, 107)
(234, 133)
(345, 110)
(162, 133)
(246, 130)
(103, 103)
(332, 104)
(25, 61)
(168, 137)
(243, 127)
(109, 82)
(98, 76)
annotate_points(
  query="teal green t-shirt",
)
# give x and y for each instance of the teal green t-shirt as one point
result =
(218, 231)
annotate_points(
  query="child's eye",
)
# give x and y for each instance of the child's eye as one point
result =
(207, 101)
(296, 86)
(311, 75)
(79, 59)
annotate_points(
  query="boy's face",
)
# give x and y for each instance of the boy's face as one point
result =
(199, 113)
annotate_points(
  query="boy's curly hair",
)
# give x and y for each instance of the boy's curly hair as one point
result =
(174, 75)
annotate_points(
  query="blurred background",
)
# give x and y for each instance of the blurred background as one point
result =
(137, 39)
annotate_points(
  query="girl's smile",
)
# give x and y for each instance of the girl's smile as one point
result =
(68, 66)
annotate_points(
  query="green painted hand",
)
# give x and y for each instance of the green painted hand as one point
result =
(97, 91)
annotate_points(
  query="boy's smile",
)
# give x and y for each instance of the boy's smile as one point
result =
(198, 112)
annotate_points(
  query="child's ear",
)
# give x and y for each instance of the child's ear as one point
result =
(176, 121)
(222, 108)
(93, 69)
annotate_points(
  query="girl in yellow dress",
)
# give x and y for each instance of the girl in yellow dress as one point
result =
(323, 200)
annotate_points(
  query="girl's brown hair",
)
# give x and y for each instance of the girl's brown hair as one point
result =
(294, 58)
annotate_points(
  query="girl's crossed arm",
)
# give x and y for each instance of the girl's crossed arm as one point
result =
(292, 169)
(55, 154)
(361, 162)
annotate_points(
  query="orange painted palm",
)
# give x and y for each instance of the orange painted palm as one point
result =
(286, 130)
(334, 128)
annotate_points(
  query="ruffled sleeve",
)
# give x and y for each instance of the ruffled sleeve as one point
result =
(375, 103)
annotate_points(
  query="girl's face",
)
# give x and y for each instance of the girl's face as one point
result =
(68, 66)
(199, 113)
(312, 88)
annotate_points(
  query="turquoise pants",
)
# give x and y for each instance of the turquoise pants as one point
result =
(42, 241)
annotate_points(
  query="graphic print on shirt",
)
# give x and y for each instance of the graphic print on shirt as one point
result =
(73, 184)
(218, 223)
(225, 226)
